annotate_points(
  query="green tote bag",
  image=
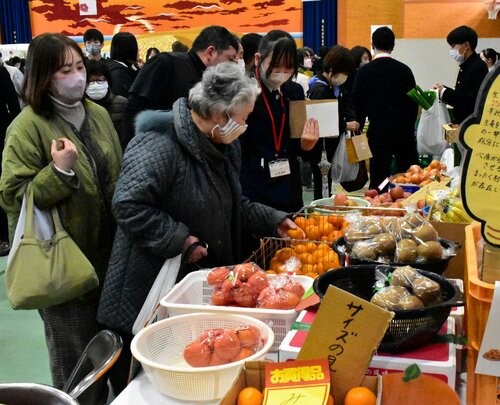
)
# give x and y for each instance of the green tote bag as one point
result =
(43, 273)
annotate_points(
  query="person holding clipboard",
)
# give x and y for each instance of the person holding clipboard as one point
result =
(270, 171)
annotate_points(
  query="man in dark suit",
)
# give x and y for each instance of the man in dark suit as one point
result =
(463, 42)
(170, 75)
(380, 94)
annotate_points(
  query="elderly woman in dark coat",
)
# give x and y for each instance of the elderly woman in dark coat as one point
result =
(179, 183)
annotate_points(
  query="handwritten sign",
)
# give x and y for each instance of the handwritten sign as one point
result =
(346, 331)
(480, 134)
(297, 383)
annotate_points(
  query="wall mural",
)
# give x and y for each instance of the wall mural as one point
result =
(155, 16)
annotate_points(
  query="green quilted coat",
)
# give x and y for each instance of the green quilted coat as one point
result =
(84, 199)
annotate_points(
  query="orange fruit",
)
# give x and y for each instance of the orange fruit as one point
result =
(301, 222)
(331, 261)
(326, 228)
(313, 232)
(360, 396)
(311, 247)
(320, 268)
(307, 268)
(300, 248)
(324, 246)
(311, 221)
(250, 396)
(275, 264)
(333, 236)
(306, 258)
(312, 275)
(296, 233)
(284, 254)
(270, 272)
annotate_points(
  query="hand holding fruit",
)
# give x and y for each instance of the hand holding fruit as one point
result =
(289, 228)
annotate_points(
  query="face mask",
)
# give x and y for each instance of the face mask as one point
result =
(339, 80)
(70, 89)
(93, 49)
(308, 63)
(229, 132)
(241, 64)
(363, 63)
(96, 90)
(455, 54)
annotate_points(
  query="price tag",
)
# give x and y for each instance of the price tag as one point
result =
(305, 382)
(279, 167)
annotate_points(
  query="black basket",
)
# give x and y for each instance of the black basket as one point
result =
(436, 266)
(408, 329)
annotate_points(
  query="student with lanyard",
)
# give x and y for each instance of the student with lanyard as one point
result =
(270, 172)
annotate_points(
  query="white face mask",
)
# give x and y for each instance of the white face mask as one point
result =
(241, 64)
(229, 132)
(339, 80)
(308, 63)
(363, 63)
(96, 90)
(70, 89)
(93, 49)
(455, 54)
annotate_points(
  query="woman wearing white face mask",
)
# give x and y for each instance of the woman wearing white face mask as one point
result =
(66, 148)
(179, 184)
(304, 72)
(99, 91)
(270, 171)
(338, 64)
(463, 42)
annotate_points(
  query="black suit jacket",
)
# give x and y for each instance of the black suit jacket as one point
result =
(469, 79)
(380, 94)
(161, 82)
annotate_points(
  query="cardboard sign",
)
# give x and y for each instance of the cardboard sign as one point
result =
(346, 331)
(488, 359)
(299, 382)
(480, 134)
(325, 111)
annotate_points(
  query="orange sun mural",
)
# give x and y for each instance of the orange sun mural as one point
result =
(159, 16)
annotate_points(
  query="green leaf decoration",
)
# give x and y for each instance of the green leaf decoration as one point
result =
(412, 372)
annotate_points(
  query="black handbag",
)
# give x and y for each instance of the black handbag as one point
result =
(360, 180)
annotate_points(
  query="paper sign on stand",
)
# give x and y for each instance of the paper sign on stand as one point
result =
(299, 382)
(346, 331)
(488, 360)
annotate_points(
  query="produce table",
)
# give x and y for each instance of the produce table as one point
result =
(141, 392)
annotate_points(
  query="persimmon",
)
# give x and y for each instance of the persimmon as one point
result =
(416, 178)
(244, 353)
(227, 345)
(249, 336)
(295, 288)
(217, 276)
(401, 179)
(258, 281)
(435, 164)
(197, 354)
(414, 169)
(250, 396)
(243, 271)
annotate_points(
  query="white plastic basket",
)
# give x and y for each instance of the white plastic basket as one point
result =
(160, 346)
(193, 294)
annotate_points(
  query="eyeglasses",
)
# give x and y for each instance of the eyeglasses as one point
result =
(98, 82)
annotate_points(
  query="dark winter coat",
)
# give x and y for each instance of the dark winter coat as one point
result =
(121, 76)
(166, 192)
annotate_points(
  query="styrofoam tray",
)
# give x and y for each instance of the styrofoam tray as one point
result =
(193, 294)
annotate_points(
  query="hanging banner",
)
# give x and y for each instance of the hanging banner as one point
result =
(88, 7)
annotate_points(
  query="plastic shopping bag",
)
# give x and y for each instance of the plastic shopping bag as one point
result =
(430, 134)
(164, 282)
(342, 170)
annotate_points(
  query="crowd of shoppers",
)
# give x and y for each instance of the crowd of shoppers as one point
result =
(211, 160)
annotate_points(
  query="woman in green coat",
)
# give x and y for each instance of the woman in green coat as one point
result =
(66, 147)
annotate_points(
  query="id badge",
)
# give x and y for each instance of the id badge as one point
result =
(279, 167)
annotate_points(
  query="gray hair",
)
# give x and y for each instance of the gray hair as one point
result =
(224, 88)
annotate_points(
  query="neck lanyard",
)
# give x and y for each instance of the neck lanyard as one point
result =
(277, 139)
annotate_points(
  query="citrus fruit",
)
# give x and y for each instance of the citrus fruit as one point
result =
(250, 396)
(360, 396)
